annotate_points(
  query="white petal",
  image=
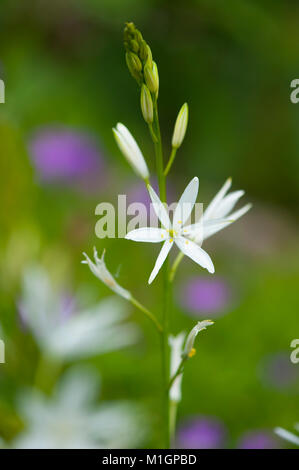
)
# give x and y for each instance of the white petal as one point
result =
(148, 234)
(196, 253)
(287, 435)
(216, 200)
(237, 214)
(227, 204)
(176, 348)
(210, 230)
(84, 380)
(160, 260)
(197, 231)
(185, 204)
(96, 330)
(159, 208)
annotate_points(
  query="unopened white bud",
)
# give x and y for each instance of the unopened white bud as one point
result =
(128, 146)
(151, 77)
(146, 104)
(180, 126)
(156, 74)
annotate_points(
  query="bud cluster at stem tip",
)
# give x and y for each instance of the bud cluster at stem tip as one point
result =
(142, 68)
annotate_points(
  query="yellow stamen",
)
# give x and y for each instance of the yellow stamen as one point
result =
(192, 352)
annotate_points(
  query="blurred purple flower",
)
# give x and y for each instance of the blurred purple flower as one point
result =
(258, 440)
(277, 371)
(202, 433)
(67, 156)
(202, 295)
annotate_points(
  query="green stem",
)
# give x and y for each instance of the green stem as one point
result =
(149, 314)
(175, 266)
(170, 161)
(178, 372)
(159, 154)
(173, 406)
(153, 135)
(164, 335)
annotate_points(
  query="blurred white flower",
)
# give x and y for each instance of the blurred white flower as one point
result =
(287, 435)
(176, 349)
(67, 334)
(100, 270)
(72, 419)
(218, 214)
(173, 232)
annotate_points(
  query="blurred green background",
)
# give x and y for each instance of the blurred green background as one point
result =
(63, 65)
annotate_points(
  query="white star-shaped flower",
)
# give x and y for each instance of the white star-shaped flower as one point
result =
(68, 331)
(174, 232)
(72, 418)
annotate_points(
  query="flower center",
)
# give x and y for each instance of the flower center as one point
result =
(172, 233)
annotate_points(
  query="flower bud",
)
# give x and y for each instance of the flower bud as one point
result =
(134, 66)
(128, 146)
(146, 103)
(129, 28)
(189, 350)
(149, 56)
(151, 77)
(138, 36)
(180, 127)
(134, 46)
(156, 74)
(143, 51)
